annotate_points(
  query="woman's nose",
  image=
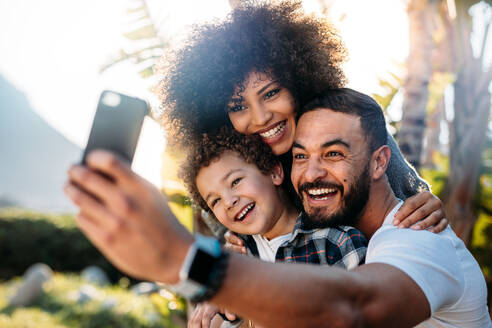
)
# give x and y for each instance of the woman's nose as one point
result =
(260, 115)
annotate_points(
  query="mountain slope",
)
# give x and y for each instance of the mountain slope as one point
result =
(34, 157)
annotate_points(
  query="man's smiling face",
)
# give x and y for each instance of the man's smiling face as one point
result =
(330, 169)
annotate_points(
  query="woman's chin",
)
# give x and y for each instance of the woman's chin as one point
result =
(282, 146)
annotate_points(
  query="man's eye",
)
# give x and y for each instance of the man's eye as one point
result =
(299, 156)
(271, 93)
(236, 181)
(333, 154)
(235, 108)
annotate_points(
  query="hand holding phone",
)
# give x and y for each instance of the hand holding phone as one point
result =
(116, 125)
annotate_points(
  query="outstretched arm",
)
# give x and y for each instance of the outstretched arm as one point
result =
(130, 222)
(297, 295)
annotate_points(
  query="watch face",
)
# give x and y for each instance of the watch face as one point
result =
(201, 267)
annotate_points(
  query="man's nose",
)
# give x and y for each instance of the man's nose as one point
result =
(260, 115)
(314, 170)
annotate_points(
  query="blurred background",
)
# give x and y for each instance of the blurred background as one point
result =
(427, 62)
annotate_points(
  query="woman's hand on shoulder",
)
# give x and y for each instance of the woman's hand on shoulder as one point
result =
(422, 211)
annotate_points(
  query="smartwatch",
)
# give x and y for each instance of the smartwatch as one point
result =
(203, 270)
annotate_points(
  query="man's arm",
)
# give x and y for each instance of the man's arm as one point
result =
(130, 222)
(298, 295)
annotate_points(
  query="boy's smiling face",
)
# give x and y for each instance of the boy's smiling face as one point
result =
(242, 198)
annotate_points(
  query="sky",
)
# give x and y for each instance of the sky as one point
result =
(53, 50)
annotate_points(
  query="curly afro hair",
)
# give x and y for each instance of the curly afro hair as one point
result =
(211, 147)
(302, 52)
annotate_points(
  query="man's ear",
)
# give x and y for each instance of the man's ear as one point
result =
(380, 158)
(277, 174)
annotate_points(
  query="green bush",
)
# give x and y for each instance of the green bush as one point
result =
(28, 237)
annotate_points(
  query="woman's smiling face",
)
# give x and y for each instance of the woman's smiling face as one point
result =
(262, 106)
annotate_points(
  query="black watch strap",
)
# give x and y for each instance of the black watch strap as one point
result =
(215, 279)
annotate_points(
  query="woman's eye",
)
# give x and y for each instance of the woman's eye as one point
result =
(236, 181)
(271, 93)
(235, 108)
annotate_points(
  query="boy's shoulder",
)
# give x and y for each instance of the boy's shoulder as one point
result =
(341, 246)
(339, 236)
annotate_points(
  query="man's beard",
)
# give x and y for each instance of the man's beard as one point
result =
(353, 203)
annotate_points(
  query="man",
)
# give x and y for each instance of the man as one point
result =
(340, 158)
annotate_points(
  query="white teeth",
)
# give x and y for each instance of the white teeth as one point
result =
(245, 211)
(273, 132)
(321, 191)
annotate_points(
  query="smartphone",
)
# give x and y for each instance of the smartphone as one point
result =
(116, 125)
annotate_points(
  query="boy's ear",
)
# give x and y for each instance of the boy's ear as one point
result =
(380, 158)
(277, 174)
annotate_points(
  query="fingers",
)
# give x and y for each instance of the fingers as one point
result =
(416, 208)
(229, 315)
(431, 220)
(202, 316)
(233, 239)
(103, 189)
(410, 205)
(415, 218)
(112, 166)
(101, 219)
(195, 318)
(208, 313)
(440, 226)
(90, 229)
(235, 248)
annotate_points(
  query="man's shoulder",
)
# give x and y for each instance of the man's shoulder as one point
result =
(387, 234)
(440, 264)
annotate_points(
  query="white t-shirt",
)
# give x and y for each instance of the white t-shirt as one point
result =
(267, 249)
(441, 266)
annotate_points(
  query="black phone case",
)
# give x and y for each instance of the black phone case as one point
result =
(116, 127)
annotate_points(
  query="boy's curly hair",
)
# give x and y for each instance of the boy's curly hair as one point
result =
(211, 147)
(302, 52)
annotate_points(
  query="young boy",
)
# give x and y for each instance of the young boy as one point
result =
(239, 180)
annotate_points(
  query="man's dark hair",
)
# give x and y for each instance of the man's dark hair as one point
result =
(252, 149)
(301, 52)
(352, 102)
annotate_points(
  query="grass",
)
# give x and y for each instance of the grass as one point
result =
(113, 306)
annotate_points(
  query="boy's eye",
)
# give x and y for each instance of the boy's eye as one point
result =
(236, 181)
(214, 202)
(271, 93)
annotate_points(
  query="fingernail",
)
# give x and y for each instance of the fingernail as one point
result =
(416, 227)
(401, 226)
(396, 222)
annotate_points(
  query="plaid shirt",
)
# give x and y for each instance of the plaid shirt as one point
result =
(341, 246)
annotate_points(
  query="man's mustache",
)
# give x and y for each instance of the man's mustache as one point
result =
(317, 185)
